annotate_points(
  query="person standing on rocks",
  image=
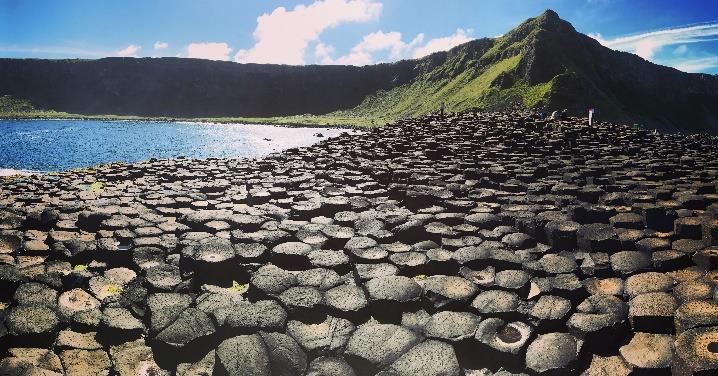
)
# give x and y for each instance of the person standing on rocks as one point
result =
(591, 111)
(441, 109)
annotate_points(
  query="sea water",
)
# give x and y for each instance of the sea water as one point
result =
(54, 145)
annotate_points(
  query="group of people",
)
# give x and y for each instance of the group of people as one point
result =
(562, 115)
(543, 112)
(556, 115)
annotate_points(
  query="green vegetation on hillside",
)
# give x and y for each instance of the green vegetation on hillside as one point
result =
(474, 88)
(13, 108)
(8, 104)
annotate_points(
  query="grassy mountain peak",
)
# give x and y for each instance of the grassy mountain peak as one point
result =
(544, 61)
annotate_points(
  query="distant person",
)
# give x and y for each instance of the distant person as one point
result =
(441, 109)
(591, 111)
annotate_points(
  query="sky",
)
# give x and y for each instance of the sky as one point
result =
(682, 34)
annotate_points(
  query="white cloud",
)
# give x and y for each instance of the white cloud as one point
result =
(210, 51)
(379, 40)
(323, 53)
(443, 44)
(647, 44)
(129, 51)
(282, 36)
(700, 64)
(363, 52)
(392, 42)
(160, 45)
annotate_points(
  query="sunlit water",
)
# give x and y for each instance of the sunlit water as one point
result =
(53, 145)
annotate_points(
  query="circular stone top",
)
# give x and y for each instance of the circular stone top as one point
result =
(24, 320)
(698, 349)
(648, 350)
(346, 298)
(496, 301)
(452, 326)
(292, 248)
(76, 300)
(393, 288)
(551, 351)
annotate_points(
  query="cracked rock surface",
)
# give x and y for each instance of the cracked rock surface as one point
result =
(477, 244)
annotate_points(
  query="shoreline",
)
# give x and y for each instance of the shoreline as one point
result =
(6, 172)
(321, 120)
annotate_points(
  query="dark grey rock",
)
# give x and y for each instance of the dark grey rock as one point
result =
(452, 326)
(495, 301)
(33, 321)
(375, 346)
(428, 358)
(327, 337)
(346, 298)
(330, 366)
(393, 288)
(164, 308)
(263, 315)
(273, 280)
(244, 355)
(285, 355)
(189, 326)
(443, 290)
(36, 294)
(551, 351)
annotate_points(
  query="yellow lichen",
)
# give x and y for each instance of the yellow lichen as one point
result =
(79, 267)
(113, 289)
(96, 186)
(238, 287)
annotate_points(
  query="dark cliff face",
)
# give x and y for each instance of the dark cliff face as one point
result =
(578, 71)
(193, 87)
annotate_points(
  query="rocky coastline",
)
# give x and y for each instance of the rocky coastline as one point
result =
(476, 244)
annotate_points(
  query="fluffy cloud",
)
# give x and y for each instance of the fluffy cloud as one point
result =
(129, 51)
(160, 45)
(362, 53)
(323, 53)
(210, 51)
(282, 36)
(646, 45)
(443, 44)
(392, 43)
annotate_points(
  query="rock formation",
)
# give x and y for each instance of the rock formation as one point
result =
(479, 244)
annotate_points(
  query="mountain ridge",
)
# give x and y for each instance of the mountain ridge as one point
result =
(544, 61)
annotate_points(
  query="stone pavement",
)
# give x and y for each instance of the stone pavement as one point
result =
(481, 244)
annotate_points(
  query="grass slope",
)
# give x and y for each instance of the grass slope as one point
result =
(474, 88)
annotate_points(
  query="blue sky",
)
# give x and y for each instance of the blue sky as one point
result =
(683, 34)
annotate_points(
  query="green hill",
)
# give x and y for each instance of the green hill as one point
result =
(545, 61)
